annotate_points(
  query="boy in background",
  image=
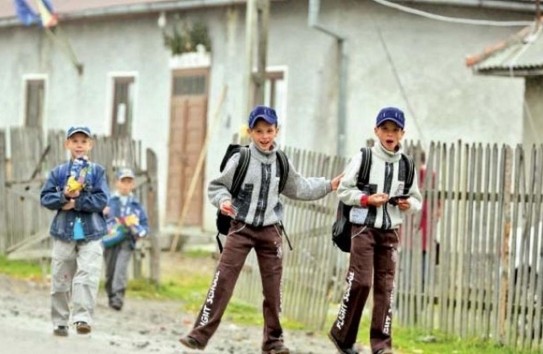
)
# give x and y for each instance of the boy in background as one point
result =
(257, 214)
(376, 218)
(126, 216)
(77, 190)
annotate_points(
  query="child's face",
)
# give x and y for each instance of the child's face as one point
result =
(125, 185)
(389, 135)
(263, 134)
(79, 145)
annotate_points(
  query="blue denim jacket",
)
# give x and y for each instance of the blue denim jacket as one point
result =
(133, 206)
(88, 206)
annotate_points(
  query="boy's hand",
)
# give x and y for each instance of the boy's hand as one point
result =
(106, 211)
(228, 209)
(377, 199)
(404, 204)
(69, 205)
(335, 181)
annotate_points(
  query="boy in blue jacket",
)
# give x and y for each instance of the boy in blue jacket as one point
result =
(128, 222)
(77, 190)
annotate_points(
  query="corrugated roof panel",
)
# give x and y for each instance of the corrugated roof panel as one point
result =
(517, 56)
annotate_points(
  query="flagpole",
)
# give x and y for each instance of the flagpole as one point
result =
(68, 50)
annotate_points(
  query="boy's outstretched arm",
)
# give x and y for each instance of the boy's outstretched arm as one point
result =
(307, 188)
(336, 180)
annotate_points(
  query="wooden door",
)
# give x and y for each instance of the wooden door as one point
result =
(188, 121)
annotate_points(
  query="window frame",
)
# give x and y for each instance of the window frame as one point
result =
(115, 78)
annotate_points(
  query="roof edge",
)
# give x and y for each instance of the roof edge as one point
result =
(134, 9)
(491, 4)
(472, 60)
(515, 73)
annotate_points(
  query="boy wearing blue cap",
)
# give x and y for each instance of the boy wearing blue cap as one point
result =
(127, 222)
(257, 214)
(376, 214)
(77, 190)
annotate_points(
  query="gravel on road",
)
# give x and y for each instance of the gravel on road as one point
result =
(143, 326)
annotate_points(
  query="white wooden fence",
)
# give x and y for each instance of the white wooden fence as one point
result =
(484, 207)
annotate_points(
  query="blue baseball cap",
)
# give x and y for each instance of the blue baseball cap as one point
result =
(264, 112)
(78, 129)
(125, 172)
(392, 114)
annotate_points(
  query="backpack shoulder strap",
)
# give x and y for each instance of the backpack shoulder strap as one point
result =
(241, 170)
(282, 163)
(365, 165)
(410, 165)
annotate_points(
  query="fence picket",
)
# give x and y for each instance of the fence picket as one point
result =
(487, 281)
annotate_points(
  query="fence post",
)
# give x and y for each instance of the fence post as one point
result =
(506, 235)
(3, 221)
(153, 215)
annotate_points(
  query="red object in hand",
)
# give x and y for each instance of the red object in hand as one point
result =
(364, 200)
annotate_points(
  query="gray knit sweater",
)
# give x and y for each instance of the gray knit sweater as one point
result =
(384, 174)
(258, 201)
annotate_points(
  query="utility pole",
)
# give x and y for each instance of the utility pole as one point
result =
(256, 40)
(537, 14)
(262, 22)
(313, 19)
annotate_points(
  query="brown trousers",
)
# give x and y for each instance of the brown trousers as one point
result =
(242, 238)
(373, 258)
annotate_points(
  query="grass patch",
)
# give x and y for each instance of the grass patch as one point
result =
(189, 284)
(23, 269)
(409, 340)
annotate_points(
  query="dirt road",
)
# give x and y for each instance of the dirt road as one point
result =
(143, 326)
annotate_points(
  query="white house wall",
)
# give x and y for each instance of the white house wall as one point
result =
(448, 102)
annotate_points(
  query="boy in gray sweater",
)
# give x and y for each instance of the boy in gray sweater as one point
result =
(256, 212)
(377, 214)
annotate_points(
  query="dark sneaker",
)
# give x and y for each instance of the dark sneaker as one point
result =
(384, 351)
(116, 306)
(61, 331)
(279, 349)
(82, 327)
(191, 343)
(341, 349)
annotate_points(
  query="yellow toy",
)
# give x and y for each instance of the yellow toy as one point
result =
(78, 172)
(131, 220)
(74, 185)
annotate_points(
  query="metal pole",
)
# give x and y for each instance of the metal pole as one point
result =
(250, 15)
(259, 79)
(537, 14)
(313, 19)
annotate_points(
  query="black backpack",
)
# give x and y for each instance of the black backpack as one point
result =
(341, 229)
(223, 221)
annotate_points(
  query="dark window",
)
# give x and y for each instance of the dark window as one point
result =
(123, 102)
(35, 93)
(189, 85)
(271, 95)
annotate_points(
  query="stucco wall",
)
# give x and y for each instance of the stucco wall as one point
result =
(425, 75)
(425, 71)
